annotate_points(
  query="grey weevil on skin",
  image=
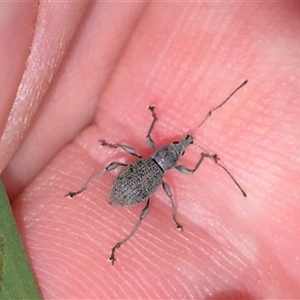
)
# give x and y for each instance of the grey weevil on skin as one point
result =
(139, 180)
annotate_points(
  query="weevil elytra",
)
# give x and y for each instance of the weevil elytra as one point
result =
(139, 180)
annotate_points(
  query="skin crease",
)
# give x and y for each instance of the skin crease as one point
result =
(185, 59)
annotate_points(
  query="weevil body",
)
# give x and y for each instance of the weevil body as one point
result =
(138, 181)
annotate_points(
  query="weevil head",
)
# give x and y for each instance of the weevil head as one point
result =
(167, 156)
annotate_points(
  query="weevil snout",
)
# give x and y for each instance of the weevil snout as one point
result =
(188, 140)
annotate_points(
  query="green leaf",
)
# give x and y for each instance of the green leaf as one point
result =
(16, 277)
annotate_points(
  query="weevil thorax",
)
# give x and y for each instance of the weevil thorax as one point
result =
(167, 156)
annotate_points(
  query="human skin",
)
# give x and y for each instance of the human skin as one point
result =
(99, 66)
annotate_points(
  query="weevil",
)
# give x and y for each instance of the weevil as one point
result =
(139, 180)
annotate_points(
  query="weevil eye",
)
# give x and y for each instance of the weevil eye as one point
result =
(175, 142)
(183, 152)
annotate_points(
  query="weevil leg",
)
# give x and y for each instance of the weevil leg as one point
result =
(126, 148)
(185, 170)
(149, 139)
(110, 167)
(167, 190)
(144, 213)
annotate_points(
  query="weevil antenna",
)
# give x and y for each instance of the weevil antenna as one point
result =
(219, 106)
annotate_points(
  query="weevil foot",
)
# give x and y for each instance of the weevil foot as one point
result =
(179, 226)
(112, 259)
(71, 194)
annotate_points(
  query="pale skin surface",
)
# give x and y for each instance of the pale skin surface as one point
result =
(185, 59)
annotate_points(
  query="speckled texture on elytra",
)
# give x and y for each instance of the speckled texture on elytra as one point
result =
(136, 183)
